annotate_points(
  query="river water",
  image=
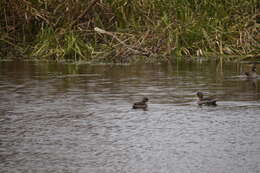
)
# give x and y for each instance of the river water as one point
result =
(78, 118)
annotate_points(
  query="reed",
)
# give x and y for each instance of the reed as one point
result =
(152, 29)
(61, 45)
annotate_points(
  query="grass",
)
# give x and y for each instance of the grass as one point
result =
(154, 29)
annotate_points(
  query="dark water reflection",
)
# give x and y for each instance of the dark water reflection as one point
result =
(78, 118)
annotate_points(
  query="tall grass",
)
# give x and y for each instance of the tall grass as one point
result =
(61, 45)
(65, 29)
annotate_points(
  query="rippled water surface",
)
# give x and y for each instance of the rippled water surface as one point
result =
(78, 118)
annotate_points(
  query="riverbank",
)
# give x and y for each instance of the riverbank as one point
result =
(123, 31)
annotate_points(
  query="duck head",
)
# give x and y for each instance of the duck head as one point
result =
(200, 95)
(145, 99)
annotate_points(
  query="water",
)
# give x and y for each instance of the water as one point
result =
(78, 118)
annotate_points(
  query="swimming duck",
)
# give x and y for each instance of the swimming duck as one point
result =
(206, 101)
(251, 74)
(141, 105)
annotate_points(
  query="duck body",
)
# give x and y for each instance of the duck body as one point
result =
(142, 104)
(206, 101)
(251, 74)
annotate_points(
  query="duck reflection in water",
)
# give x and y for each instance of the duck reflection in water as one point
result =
(251, 74)
(253, 83)
(205, 101)
(142, 104)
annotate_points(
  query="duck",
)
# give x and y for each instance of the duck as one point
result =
(251, 74)
(206, 101)
(142, 104)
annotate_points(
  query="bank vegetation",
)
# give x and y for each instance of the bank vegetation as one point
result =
(128, 30)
